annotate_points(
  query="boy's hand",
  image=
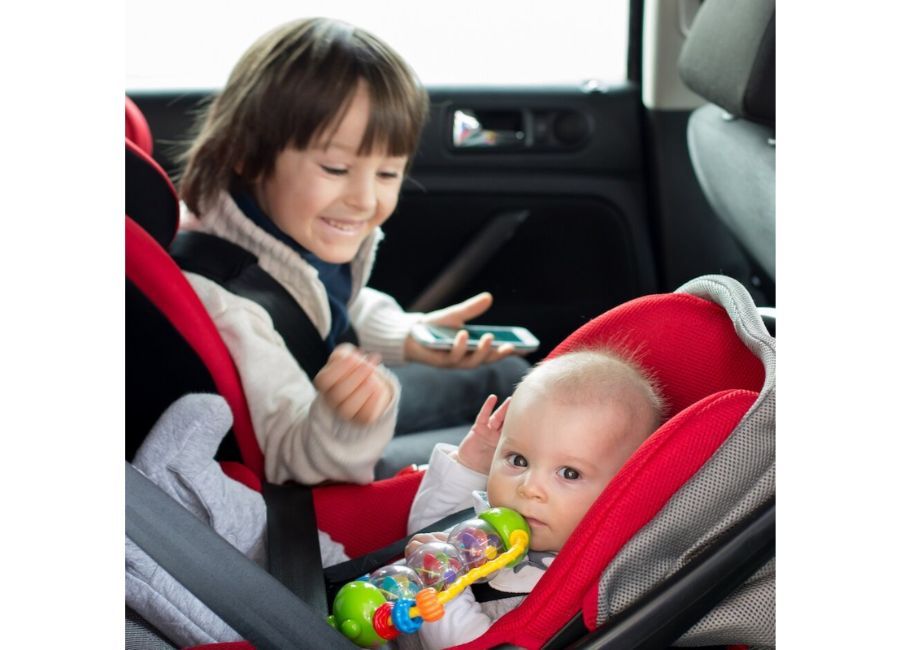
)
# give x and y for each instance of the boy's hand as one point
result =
(422, 538)
(458, 356)
(352, 385)
(476, 451)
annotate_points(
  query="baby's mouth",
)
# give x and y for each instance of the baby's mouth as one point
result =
(535, 523)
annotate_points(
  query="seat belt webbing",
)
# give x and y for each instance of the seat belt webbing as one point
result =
(252, 602)
(237, 270)
(292, 538)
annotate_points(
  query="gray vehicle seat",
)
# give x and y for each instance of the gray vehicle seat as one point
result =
(729, 60)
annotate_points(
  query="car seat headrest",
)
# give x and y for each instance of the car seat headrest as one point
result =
(150, 198)
(136, 127)
(729, 57)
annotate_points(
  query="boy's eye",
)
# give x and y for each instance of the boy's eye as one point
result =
(334, 171)
(517, 460)
(569, 474)
(389, 175)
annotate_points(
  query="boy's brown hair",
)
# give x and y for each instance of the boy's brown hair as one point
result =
(291, 87)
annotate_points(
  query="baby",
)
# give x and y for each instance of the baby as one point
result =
(547, 452)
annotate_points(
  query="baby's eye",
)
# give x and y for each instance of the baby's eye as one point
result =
(517, 460)
(334, 171)
(569, 474)
(389, 175)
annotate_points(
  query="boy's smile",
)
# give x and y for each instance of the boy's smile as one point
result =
(328, 198)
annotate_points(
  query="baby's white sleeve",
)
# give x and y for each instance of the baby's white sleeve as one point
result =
(463, 621)
(446, 488)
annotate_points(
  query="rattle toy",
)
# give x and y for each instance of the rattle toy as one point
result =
(398, 598)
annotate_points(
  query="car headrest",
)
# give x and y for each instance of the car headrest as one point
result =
(136, 127)
(150, 197)
(729, 57)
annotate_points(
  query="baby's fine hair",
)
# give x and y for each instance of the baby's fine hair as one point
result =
(594, 374)
(291, 87)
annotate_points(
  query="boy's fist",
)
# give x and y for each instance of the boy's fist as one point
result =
(351, 383)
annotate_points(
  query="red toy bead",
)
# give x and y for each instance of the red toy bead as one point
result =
(381, 622)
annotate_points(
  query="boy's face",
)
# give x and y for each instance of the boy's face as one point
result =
(330, 199)
(553, 460)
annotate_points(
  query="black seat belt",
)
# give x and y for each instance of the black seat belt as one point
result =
(252, 602)
(292, 538)
(292, 542)
(236, 270)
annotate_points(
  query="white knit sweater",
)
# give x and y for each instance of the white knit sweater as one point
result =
(301, 437)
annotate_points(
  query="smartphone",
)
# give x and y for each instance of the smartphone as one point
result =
(439, 337)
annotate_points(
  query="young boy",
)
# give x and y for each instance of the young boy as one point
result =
(547, 452)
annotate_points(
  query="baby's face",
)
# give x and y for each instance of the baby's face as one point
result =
(553, 460)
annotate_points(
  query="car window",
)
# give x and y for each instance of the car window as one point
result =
(194, 44)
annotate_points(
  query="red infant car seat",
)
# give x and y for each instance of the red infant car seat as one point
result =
(703, 473)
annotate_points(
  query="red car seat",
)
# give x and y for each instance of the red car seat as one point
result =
(136, 127)
(703, 472)
(173, 347)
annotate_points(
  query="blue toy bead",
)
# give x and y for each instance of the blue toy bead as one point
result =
(400, 617)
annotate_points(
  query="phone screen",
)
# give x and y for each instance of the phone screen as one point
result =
(504, 336)
(475, 333)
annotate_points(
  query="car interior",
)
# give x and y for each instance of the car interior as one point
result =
(645, 208)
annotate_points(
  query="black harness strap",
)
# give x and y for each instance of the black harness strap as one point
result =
(237, 270)
(292, 539)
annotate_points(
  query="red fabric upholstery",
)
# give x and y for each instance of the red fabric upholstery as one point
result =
(688, 343)
(242, 474)
(157, 276)
(366, 517)
(710, 380)
(136, 128)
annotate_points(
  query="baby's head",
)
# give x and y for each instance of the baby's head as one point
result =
(291, 90)
(571, 425)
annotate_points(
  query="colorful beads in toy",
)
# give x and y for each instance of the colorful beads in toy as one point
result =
(477, 542)
(399, 598)
(396, 581)
(437, 563)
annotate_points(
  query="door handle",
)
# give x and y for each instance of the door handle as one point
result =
(489, 129)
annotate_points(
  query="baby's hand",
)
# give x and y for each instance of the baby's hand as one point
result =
(423, 538)
(352, 384)
(477, 449)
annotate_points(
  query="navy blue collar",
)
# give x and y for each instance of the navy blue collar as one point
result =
(337, 278)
